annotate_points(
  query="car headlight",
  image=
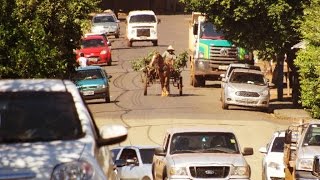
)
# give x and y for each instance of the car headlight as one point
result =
(230, 90)
(101, 86)
(73, 170)
(264, 92)
(274, 165)
(104, 52)
(178, 171)
(201, 55)
(305, 164)
(243, 171)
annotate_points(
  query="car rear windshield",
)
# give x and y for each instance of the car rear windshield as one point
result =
(144, 18)
(87, 74)
(92, 43)
(103, 19)
(278, 144)
(38, 116)
(147, 155)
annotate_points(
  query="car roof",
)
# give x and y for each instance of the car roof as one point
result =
(15, 85)
(247, 71)
(196, 129)
(88, 68)
(138, 12)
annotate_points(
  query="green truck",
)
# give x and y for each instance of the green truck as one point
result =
(210, 52)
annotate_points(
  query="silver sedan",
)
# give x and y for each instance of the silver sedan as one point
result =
(246, 87)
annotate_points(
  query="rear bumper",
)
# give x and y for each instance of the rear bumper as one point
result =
(98, 94)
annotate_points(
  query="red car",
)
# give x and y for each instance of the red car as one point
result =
(96, 49)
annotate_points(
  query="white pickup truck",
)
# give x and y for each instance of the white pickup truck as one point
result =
(196, 153)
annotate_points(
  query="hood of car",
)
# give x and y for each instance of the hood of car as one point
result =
(274, 157)
(188, 159)
(93, 50)
(309, 151)
(37, 160)
(90, 82)
(246, 87)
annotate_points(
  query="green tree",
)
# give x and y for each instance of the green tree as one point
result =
(268, 26)
(37, 37)
(308, 60)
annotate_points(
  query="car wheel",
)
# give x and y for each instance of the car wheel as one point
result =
(155, 43)
(224, 105)
(109, 62)
(265, 109)
(107, 99)
(129, 43)
(116, 36)
(198, 81)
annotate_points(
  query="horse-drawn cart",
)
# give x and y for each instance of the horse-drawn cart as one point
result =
(152, 77)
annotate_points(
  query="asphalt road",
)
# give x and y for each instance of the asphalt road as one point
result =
(147, 117)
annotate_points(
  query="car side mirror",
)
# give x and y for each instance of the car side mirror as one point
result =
(109, 43)
(159, 151)
(247, 151)
(112, 134)
(120, 162)
(132, 162)
(263, 150)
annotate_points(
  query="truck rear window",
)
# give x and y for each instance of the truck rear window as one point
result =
(144, 18)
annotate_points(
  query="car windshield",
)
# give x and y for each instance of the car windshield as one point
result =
(312, 137)
(247, 78)
(103, 19)
(215, 142)
(147, 155)
(87, 74)
(27, 116)
(209, 31)
(91, 43)
(144, 18)
(231, 68)
(278, 144)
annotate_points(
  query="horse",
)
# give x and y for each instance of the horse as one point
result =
(162, 70)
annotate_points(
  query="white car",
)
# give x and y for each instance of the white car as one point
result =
(106, 23)
(48, 133)
(142, 26)
(134, 162)
(201, 153)
(272, 163)
(246, 87)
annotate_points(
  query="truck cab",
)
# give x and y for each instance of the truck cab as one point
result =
(210, 52)
(302, 144)
(142, 25)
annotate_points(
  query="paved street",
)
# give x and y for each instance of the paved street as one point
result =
(147, 117)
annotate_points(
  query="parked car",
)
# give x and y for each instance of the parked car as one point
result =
(107, 23)
(201, 153)
(233, 66)
(272, 163)
(92, 82)
(96, 49)
(134, 162)
(246, 87)
(48, 132)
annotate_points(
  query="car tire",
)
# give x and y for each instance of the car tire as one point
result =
(155, 43)
(224, 105)
(198, 81)
(117, 36)
(129, 43)
(109, 62)
(107, 99)
(265, 109)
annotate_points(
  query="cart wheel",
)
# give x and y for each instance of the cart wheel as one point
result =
(180, 85)
(145, 92)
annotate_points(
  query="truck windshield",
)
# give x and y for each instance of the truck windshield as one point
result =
(204, 142)
(209, 31)
(312, 137)
(143, 18)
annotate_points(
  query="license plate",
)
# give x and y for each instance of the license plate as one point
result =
(143, 37)
(222, 67)
(88, 93)
(93, 59)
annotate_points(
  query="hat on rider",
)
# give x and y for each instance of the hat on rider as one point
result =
(170, 48)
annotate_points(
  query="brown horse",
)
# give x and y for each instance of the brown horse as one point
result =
(162, 70)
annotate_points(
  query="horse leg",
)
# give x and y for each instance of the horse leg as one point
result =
(162, 81)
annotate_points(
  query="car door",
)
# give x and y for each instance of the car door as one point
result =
(130, 170)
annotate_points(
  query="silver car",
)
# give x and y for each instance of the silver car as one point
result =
(134, 162)
(106, 23)
(246, 87)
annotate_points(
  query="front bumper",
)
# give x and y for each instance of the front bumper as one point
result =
(99, 59)
(262, 101)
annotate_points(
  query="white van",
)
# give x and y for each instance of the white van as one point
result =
(142, 25)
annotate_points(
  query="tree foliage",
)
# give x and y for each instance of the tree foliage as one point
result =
(269, 26)
(37, 37)
(308, 60)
